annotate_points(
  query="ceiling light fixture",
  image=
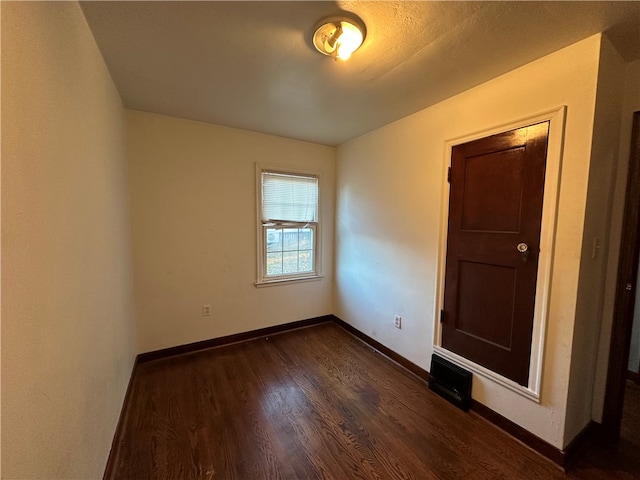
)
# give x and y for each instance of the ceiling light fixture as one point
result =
(339, 37)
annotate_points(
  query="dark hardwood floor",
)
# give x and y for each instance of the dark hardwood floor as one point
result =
(621, 461)
(630, 431)
(314, 403)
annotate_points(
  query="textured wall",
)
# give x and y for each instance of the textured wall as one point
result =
(388, 219)
(193, 208)
(592, 281)
(68, 334)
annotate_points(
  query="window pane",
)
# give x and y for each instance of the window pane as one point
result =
(290, 240)
(289, 250)
(290, 262)
(306, 260)
(274, 240)
(306, 238)
(274, 263)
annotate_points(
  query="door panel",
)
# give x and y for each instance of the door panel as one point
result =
(495, 204)
(493, 187)
(478, 281)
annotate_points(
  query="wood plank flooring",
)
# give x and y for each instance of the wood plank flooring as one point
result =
(314, 403)
(630, 431)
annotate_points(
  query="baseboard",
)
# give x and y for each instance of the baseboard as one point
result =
(230, 339)
(114, 453)
(532, 441)
(588, 438)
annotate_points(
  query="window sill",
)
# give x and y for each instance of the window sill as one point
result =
(281, 281)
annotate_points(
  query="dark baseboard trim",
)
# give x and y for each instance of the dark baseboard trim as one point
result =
(633, 376)
(230, 339)
(585, 440)
(114, 453)
(386, 351)
(588, 438)
(529, 439)
(562, 458)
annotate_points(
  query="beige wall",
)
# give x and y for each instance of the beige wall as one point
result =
(67, 317)
(193, 213)
(604, 156)
(389, 187)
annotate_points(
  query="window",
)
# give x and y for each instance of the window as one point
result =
(288, 226)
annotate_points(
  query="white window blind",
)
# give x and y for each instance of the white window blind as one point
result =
(289, 198)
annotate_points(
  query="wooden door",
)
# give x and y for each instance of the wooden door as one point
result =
(495, 214)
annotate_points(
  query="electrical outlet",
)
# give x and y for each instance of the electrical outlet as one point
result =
(206, 310)
(397, 319)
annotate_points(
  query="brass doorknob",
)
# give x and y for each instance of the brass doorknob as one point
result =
(523, 248)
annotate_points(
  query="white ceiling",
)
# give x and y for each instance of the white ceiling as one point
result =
(251, 64)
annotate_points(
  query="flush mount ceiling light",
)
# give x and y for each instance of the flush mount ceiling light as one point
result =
(339, 37)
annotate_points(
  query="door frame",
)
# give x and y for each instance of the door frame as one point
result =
(624, 299)
(556, 118)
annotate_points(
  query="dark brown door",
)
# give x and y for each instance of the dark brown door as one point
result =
(495, 213)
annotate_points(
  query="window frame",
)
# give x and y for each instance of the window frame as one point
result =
(316, 273)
